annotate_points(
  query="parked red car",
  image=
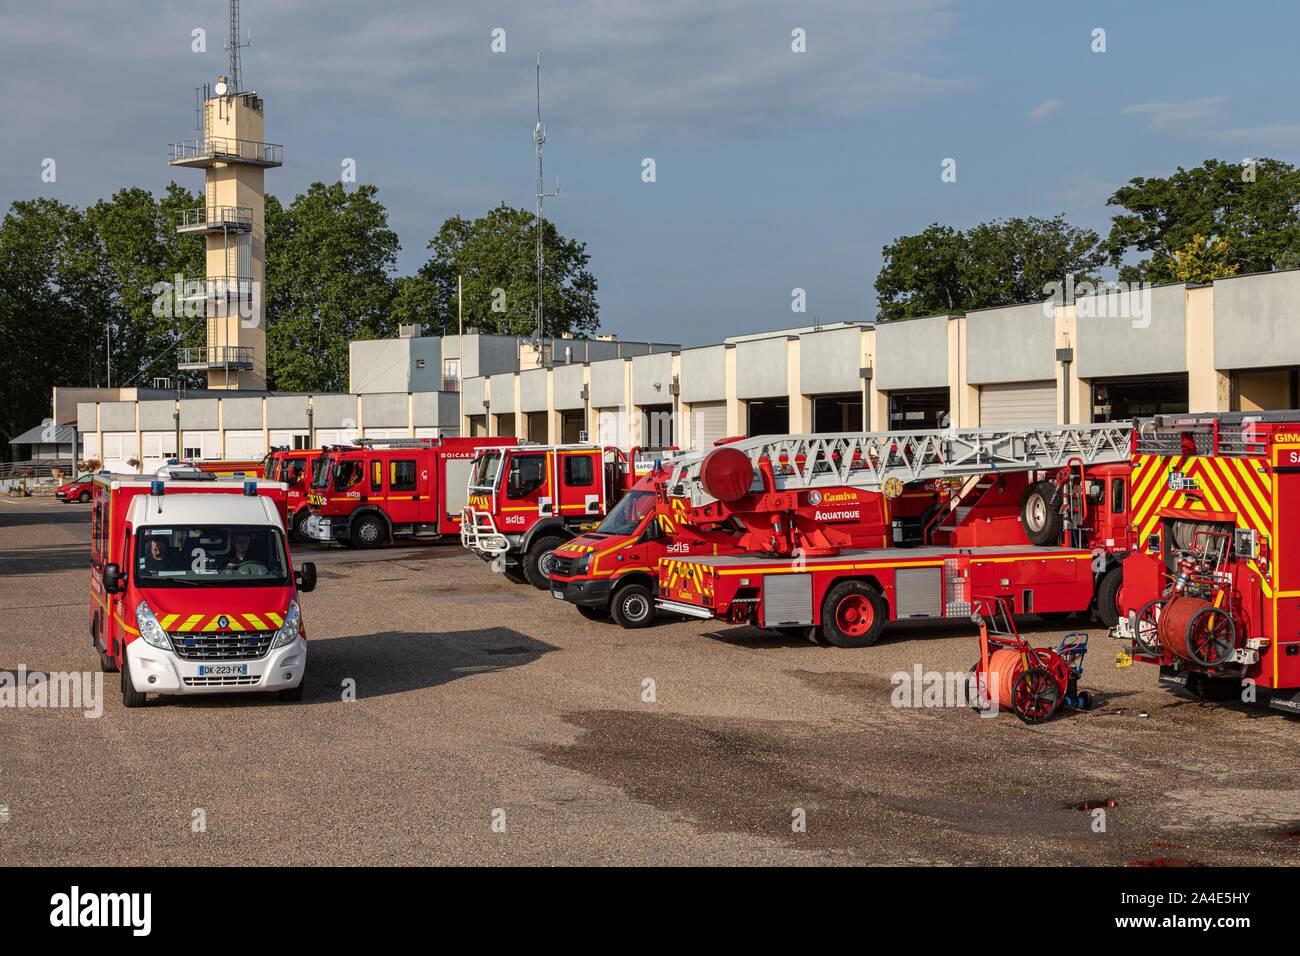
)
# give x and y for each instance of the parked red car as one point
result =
(78, 489)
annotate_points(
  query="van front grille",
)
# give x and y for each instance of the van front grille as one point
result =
(217, 646)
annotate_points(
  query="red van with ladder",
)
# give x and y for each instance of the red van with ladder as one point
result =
(367, 494)
(193, 588)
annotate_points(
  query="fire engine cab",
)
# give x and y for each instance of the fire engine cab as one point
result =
(366, 494)
(192, 587)
(526, 501)
(293, 467)
(1212, 593)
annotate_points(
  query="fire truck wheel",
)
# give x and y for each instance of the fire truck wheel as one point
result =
(513, 574)
(853, 614)
(84, 497)
(540, 561)
(593, 613)
(299, 531)
(1040, 513)
(633, 606)
(130, 696)
(1108, 596)
(368, 532)
(107, 663)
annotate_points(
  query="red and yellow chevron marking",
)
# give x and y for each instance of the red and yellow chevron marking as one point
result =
(189, 623)
(1236, 486)
(686, 580)
(575, 550)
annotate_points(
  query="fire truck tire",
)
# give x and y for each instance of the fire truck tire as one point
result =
(853, 614)
(299, 529)
(84, 497)
(593, 613)
(1040, 513)
(1108, 596)
(633, 606)
(539, 561)
(130, 696)
(513, 574)
(367, 532)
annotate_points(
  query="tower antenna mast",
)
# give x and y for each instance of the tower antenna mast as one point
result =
(539, 137)
(234, 46)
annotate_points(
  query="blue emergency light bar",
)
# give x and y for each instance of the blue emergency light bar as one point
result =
(250, 487)
(156, 487)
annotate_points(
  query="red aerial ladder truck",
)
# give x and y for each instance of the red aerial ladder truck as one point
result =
(796, 571)
(1212, 592)
(366, 494)
(526, 501)
(618, 569)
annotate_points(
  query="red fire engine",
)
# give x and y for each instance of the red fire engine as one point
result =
(1049, 547)
(367, 494)
(1212, 595)
(526, 501)
(292, 467)
(618, 569)
(193, 588)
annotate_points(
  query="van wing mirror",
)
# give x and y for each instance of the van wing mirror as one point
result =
(306, 576)
(112, 578)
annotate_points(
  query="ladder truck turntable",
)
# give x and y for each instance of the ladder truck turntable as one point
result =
(1041, 520)
(527, 500)
(1212, 592)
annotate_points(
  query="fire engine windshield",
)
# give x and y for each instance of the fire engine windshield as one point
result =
(486, 467)
(320, 471)
(628, 513)
(211, 556)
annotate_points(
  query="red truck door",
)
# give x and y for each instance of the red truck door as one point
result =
(408, 487)
(580, 489)
(524, 488)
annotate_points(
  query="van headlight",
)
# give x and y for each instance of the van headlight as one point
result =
(150, 629)
(583, 565)
(291, 628)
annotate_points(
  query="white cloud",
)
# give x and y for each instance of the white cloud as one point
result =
(1188, 116)
(1046, 109)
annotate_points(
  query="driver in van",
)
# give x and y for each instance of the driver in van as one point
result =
(158, 553)
(240, 547)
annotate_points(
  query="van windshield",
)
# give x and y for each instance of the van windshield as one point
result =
(210, 555)
(628, 513)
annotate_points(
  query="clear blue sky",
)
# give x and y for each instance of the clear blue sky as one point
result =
(774, 169)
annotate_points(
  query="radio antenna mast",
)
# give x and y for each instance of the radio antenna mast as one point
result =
(234, 46)
(539, 137)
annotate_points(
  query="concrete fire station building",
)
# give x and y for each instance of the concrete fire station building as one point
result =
(1232, 345)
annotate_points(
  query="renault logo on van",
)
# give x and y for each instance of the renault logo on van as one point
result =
(223, 622)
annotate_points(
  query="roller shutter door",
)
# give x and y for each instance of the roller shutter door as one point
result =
(1019, 403)
(708, 423)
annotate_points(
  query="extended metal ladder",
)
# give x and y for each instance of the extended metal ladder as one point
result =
(869, 459)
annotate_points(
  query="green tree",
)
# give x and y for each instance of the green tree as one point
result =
(496, 256)
(942, 269)
(1204, 260)
(330, 257)
(1254, 208)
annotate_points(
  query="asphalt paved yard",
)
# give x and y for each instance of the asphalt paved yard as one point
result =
(492, 724)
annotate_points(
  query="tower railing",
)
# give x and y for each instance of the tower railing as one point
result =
(225, 149)
(215, 217)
